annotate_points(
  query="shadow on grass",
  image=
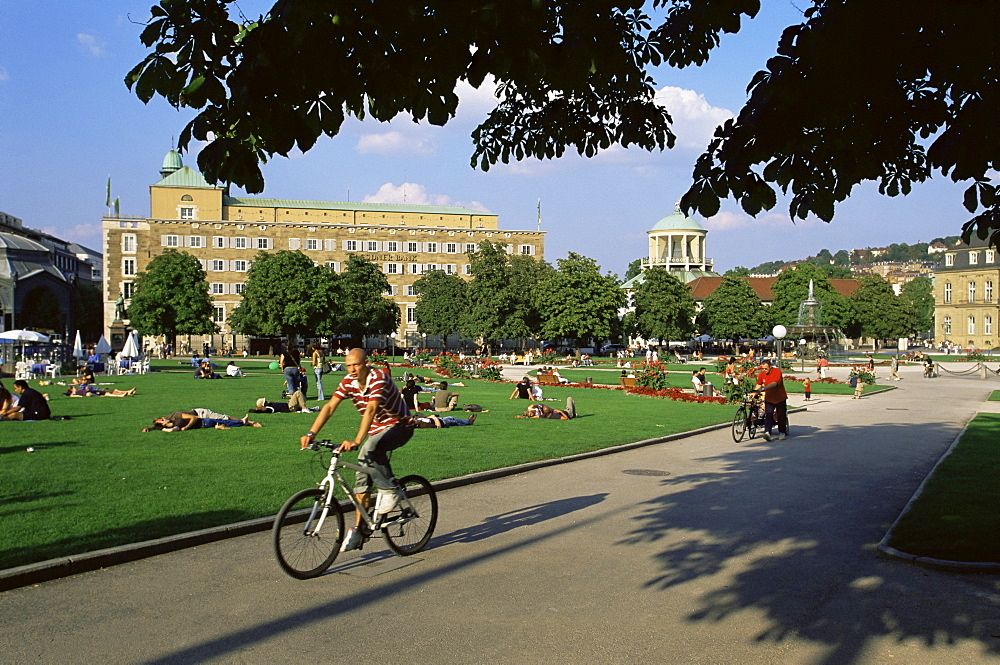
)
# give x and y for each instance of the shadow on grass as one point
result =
(4, 450)
(12, 556)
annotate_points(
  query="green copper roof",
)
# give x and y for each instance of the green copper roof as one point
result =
(234, 201)
(678, 222)
(172, 161)
(186, 177)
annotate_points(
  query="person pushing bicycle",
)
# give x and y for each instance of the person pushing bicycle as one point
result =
(386, 424)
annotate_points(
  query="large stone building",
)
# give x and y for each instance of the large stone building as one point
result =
(965, 299)
(225, 232)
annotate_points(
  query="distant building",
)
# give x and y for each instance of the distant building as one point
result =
(965, 296)
(679, 244)
(37, 275)
(225, 232)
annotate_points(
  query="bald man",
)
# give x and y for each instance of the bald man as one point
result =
(386, 424)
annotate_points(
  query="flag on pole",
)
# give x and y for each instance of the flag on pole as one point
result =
(116, 206)
(107, 199)
(539, 214)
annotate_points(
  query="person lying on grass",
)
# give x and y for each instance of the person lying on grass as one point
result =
(85, 390)
(546, 411)
(444, 421)
(295, 404)
(178, 421)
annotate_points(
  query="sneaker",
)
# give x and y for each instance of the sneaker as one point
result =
(781, 436)
(352, 541)
(766, 436)
(386, 501)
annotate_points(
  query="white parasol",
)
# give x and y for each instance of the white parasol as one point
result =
(131, 349)
(78, 351)
(23, 336)
(102, 347)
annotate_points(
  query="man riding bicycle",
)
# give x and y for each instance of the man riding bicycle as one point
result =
(386, 424)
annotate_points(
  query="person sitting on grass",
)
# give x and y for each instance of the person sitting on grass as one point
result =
(205, 371)
(546, 411)
(31, 404)
(84, 390)
(444, 400)
(86, 376)
(234, 371)
(444, 421)
(6, 403)
(178, 421)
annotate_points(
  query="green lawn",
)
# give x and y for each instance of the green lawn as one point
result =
(96, 481)
(955, 518)
(994, 396)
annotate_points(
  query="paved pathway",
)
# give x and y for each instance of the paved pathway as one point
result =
(696, 551)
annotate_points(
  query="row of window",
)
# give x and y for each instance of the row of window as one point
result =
(970, 325)
(225, 288)
(129, 267)
(971, 291)
(129, 244)
(989, 256)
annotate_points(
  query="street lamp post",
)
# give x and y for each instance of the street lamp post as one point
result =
(779, 333)
(802, 352)
(392, 336)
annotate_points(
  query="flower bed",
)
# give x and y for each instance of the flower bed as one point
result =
(675, 394)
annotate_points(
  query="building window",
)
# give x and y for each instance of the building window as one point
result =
(218, 314)
(128, 288)
(413, 247)
(947, 325)
(415, 269)
(196, 241)
(991, 256)
(432, 247)
(411, 290)
(973, 258)
(187, 213)
(947, 292)
(972, 292)
(949, 259)
(218, 242)
(240, 265)
(217, 265)
(393, 268)
(263, 243)
(312, 244)
(128, 243)
(240, 243)
(390, 292)
(371, 245)
(527, 250)
(451, 269)
(467, 269)
(972, 325)
(239, 288)
(988, 291)
(391, 246)
(333, 265)
(128, 267)
(987, 325)
(430, 266)
(218, 289)
(471, 247)
(451, 248)
(171, 241)
(351, 245)
(411, 314)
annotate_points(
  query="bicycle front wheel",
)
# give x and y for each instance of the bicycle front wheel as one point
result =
(410, 525)
(739, 423)
(303, 546)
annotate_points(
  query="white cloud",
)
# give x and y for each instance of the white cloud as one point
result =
(4, 76)
(90, 43)
(694, 118)
(730, 221)
(85, 234)
(414, 194)
(394, 143)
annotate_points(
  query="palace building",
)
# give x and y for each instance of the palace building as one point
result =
(225, 232)
(966, 306)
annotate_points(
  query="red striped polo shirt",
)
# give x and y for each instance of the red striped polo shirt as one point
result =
(392, 408)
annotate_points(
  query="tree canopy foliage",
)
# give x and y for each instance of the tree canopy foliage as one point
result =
(859, 91)
(876, 311)
(664, 307)
(286, 295)
(501, 294)
(171, 297)
(577, 302)
(366, 311)
(443, 303)
(918, 293)
(733, 310)
(792, 287)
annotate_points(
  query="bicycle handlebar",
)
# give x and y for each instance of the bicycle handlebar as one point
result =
(324, 443)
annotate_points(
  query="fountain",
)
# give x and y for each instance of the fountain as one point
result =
(819, 339)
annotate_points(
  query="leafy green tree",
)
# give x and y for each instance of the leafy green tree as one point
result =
(836, 272)
(366, 310)
(171, 297)
(733, 310)
(286, 295)
(577, 302)
(919, 294)
(443, 303)
(921, 99)
(792, 287)
(877, 312)
(633, 270)
(842, 258)
(664, 307)
(501, 303)
(738, 271)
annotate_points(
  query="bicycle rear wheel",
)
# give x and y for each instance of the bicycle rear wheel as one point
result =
(302, 550)
(739, 423)
(408, 528)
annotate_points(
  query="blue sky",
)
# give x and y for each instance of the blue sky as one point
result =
(67, 122)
